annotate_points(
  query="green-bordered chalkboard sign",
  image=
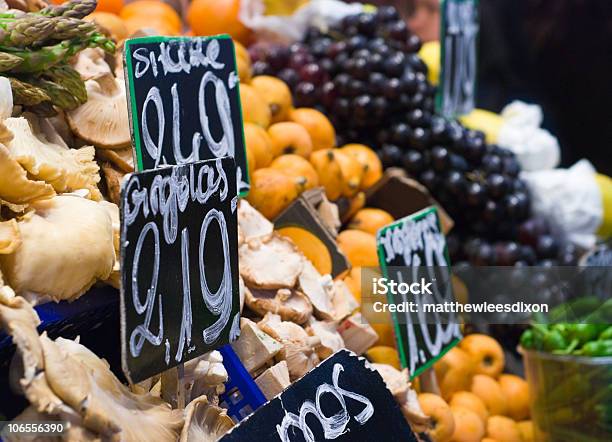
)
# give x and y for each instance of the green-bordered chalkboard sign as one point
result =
(413, 250)
(184, 102)
(179, 265)
(459, 36)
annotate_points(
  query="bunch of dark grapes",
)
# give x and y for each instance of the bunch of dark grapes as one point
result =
(535, 244)
(365, 75)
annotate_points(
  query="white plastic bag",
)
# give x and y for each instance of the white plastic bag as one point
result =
(570, 200)
(287, 29)
(535, 148)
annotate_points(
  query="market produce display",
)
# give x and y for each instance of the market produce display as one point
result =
(326, 119)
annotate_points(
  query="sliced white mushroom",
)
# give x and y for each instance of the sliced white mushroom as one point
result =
(205, 422)
(251, 222)
(274, 380)
(103, 119)
(298, 347)
(66, 246)
(65, 169)
(343, 301)
(254, 347)
(291, 305)
(326, 331)
(357, 333)
(318, 289)
(271, 262)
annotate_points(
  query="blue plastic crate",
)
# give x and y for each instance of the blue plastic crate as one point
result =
(242, 396)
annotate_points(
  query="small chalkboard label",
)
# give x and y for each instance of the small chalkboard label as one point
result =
(413, 250)
(341, 399)
(184, 102)
(179, 265)
(459, 35)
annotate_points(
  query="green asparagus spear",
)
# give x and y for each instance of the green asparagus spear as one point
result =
(9, 61)
(73, 8)
(27, 94)
(26, 31)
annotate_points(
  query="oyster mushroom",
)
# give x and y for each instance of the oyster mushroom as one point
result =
(318, 289)
(10, 238)
(15, 185)
(291, 305)
(112, 179)
(65, 169)
(90, 63)
(343, 301)
(103, 119)
(205, 422)
(67, 245)
(271, 262)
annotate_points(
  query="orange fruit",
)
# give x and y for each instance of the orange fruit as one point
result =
(516, 390)
(258, 141)
(328, 169)
(110, 22)
(154, 10)
(277, 95)
(352, 173)
(386, 335)
(319, 127)
(358, 247)
(138, 22)
(486, 352)
(271, 192)
(370, 162)
(526, 429)
(489, 391)
(472, 402)
(454, 372)
(243, 62)
(288, 137)
(384, 354)
(370, 220)
(254, 108)
(298, 168)
(503, 429)
(212, 17)
(355, 204)
(443, 422)
(488, 439)
(113, 6)
(468, 425)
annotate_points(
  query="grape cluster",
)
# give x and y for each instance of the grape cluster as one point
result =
(534, 245)
(365, 75)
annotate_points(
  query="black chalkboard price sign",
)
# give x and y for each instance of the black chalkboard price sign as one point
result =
(179, 265)
(412, 252)
(341, 399)
(459, 35)
(184, 102)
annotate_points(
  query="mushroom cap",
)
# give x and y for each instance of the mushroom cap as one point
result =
(271, 262)
(103, 120)
(205, 422)
(291, 305)
(319, 290)
(67, 244)
(90, 63)
(122, 159)
(251, 222)
(51, 161)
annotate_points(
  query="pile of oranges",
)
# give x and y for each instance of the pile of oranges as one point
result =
(203, 17)
(478, 401)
